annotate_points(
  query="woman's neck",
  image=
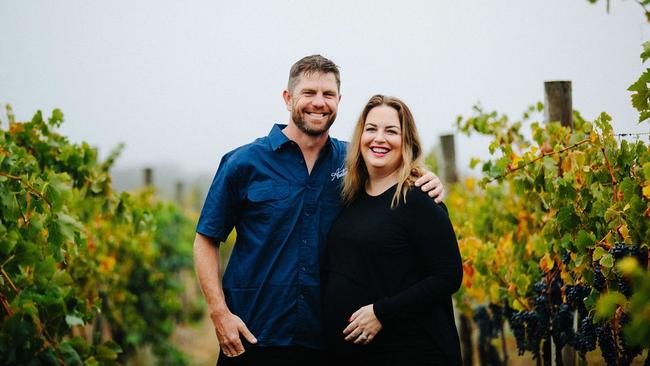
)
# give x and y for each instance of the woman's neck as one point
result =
(378, 183)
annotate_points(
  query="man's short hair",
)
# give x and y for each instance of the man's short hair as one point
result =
(312, 64)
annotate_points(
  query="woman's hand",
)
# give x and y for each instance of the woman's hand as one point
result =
(363, 326)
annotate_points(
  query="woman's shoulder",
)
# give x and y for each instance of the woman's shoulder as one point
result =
(418, 200)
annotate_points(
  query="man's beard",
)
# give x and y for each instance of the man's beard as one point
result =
(296, 117)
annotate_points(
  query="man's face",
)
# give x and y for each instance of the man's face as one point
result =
(313, 103)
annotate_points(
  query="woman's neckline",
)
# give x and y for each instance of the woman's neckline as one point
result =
(390, 188)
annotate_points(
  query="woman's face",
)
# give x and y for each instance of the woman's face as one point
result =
(381, 141)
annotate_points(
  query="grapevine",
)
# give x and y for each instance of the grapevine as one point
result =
(87, 275)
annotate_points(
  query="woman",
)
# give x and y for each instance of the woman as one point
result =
(392, 259)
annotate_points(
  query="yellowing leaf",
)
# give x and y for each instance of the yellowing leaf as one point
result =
(627, 266)
(608, 303)
(646, 191)
(546, 263)
(494, 291)
(623, 232)
(470, 183)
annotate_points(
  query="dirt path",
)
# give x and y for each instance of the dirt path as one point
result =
(198, 342)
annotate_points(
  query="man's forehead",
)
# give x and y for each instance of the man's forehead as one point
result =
(317, 76)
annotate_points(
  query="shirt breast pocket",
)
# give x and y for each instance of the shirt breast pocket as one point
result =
(269, 195)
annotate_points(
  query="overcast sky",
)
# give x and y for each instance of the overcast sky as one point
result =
(183, 82)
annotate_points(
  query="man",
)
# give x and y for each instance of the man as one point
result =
(281, 193)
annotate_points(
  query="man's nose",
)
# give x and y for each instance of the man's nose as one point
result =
(319, 100)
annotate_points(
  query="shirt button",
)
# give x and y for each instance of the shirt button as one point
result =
(302, 268)
(304, 241)
(302, 297)
(306, 213)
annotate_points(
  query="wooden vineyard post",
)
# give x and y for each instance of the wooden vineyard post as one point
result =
(148, 177)
(449, 172)
(558, 104)
(179, 194)
(558, 107)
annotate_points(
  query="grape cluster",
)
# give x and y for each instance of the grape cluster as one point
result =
(490, 324)
(566, 258)
(586, 337)
(517, 324)
(607, 344)
(562, 329)
(575, 296)
(621, 250)
(553, 310)
(599, 279)
(630, 351)
(623, 286)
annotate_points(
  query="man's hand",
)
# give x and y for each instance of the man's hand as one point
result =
(431, 184)
(363, 326)
(228, 326)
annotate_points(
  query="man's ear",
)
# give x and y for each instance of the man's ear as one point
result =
(287, 99)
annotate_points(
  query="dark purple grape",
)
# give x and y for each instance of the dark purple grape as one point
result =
(619, 250)
(555, 291)
(539, 287)
(599, 279)
(586, 341)
(563, 326)
(623, 286)
(606, 344)
(518, 327)
(630, 352)
(566, 258)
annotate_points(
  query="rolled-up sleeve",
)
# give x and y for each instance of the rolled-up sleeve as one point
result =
(221, 207)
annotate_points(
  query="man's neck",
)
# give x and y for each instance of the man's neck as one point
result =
(308, 144)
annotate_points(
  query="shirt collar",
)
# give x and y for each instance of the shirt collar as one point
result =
(277, 138)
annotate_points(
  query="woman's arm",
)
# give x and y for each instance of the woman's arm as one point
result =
(436, 249)
(438, 258)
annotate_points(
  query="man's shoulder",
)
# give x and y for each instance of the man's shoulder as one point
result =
(243, 153)
(339, 145)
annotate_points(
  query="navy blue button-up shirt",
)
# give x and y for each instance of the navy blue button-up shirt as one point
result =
(282, 215)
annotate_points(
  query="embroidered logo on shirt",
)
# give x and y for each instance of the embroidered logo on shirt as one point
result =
(338, 174)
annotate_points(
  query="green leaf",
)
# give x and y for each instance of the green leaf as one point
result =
(646, 51)
(61, 278)
(567, 218)
(73, 320)
(599, 252)
(607, 261)
(62, 229)
(57, 118)
(104, 353)
(45, 269)
(69, 354)
(585, 240)
(607, 304)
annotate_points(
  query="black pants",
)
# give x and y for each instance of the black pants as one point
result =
(275, 356)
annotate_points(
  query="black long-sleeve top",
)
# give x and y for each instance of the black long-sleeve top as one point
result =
(406, 262)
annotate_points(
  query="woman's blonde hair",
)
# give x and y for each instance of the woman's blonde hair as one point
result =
(356, 172)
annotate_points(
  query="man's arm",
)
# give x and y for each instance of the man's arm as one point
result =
(227, 325)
